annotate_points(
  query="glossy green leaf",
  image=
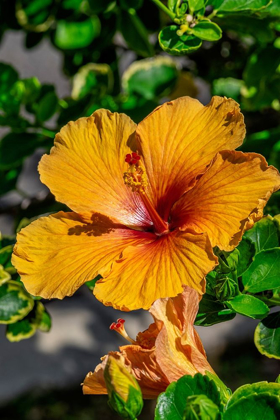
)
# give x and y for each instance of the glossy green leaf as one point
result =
(172, 403)
(20, 330)
(135, 33)
(14, 147)
(74, 35)
(92, 79)
(233, 6)
(264, 234)
(15, 303)
(175, 45)
(212, 312)
(172, 5)
(38, 318)
(207, 31)
(150, 78)
(247, 390)
(267, 336)
(254, 407)
(199, 407)
(196, 7)
(247, 251)
(225, 392)
(264, 272)
(249, 306)
(31, 90)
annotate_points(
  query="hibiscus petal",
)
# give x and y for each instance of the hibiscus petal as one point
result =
(55, 255)
(157, 269)
(180, 138)
(178, 349)
(144, 368)
(228, 198)
(85, 167)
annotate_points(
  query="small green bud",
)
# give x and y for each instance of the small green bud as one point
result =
(226, 288)
(125, 396)
(200, 407)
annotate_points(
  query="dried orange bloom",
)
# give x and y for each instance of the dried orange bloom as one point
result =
(149, 203)
(167, 350)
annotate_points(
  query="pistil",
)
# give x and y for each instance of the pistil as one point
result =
(119, 327)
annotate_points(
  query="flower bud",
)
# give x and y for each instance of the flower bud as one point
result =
(226, 288)
(125, 395)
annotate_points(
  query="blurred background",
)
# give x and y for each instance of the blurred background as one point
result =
(60, 60)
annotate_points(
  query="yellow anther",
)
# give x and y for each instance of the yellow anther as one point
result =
(136, 178)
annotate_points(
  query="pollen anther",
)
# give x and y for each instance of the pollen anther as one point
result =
(135, 177)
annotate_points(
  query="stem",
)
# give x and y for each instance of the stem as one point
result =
(161, 6)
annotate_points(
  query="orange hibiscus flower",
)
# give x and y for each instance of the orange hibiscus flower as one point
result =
(167, 350)
(149, 203)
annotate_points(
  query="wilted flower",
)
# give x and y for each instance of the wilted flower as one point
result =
(167, 350)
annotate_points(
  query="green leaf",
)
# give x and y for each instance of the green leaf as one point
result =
(196, 7)
(8, 179)
(259, 388)
(5, 254)
(207, 31)
(131, 4)
(9, 100)
(254, 407)
(15, 303)
(14, 147)
(229, 87)
(175, 45)
(35, 15)
(264, 272)
(151, 77)
(75, 35)
(92, 79)
(261, 78)
(172, 403)
(38, 318)
(247, 251)
(233, 6)
(264, 234)
(172, 5)
(249, 306)
(47, 106)
(91, 284)
(135, 33)
(20, 330)
(99, 6)
(4, 276)
(199, 407)
(212, 312)
(31, 90)
(225, 392)
(267, 336)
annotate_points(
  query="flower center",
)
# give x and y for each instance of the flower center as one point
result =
(136, 178)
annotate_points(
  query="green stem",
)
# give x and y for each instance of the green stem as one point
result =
(161, 6)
